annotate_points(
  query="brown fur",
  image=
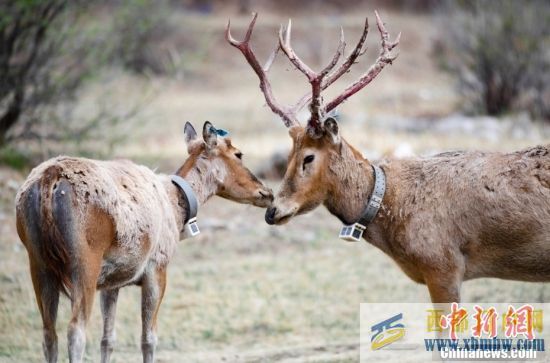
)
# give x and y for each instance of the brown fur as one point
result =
(89, 224)
(444, 219)
(54, 248)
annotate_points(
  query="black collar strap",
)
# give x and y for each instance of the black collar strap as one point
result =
(354, 231)
(192, 204)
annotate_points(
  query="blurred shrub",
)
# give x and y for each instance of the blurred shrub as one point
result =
(50, 50)
(31, 33)
(139, 28)
(498, 51)
(149, 38)
(13, 158)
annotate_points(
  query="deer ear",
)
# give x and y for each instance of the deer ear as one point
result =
(209, 134)
(190, 133)
(331, 129)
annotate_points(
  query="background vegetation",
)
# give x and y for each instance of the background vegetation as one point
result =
(499, 55)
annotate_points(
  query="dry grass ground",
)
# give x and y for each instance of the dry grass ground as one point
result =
(244, 291)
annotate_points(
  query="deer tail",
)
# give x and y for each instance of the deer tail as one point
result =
(54, 248)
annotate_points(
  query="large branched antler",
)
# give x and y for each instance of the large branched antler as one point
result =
(344, 67)
(286, 114)
(319, 80)
(383, 59)
(315, 79)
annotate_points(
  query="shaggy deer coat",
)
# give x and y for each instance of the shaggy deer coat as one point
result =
(444, 219)
(463, 215)
(89, 224)
(140, 203)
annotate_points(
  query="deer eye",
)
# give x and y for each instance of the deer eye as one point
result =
(239, 155)
(308, 159)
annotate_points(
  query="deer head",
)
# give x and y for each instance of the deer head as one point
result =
(316, 171)
(218, 165)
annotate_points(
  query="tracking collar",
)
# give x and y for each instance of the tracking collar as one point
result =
(354, 232)
(192, 206)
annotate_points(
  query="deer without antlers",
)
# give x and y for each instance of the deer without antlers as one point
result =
(443, 219)
(89, 224)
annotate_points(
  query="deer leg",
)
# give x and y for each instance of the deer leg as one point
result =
(82, 299)
(76, 335)
(108, 310)
(47, 298)
(444, 286)
(152, 292)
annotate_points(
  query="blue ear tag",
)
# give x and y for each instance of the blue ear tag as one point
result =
(221, 132)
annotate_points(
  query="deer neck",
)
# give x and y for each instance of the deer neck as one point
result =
(352, 184)
(204, 185)
(203, 181)
(352, 188)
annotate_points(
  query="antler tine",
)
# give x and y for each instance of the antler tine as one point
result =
(316, 106)
(271, 59)
(235, 42)
(396, 42)
(319, 81)
(250, 27)
(315, 79)
(288, 116)
(383, 59)
(284, 42)
(228, 36)
(387, 46)
(384, 36)
(352, 57)
(337, 55)
(344, 67)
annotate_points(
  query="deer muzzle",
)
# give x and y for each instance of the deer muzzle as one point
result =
(264, 198)
(275, 215)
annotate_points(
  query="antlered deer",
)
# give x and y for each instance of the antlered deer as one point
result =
(443, 219)
(89, 224)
